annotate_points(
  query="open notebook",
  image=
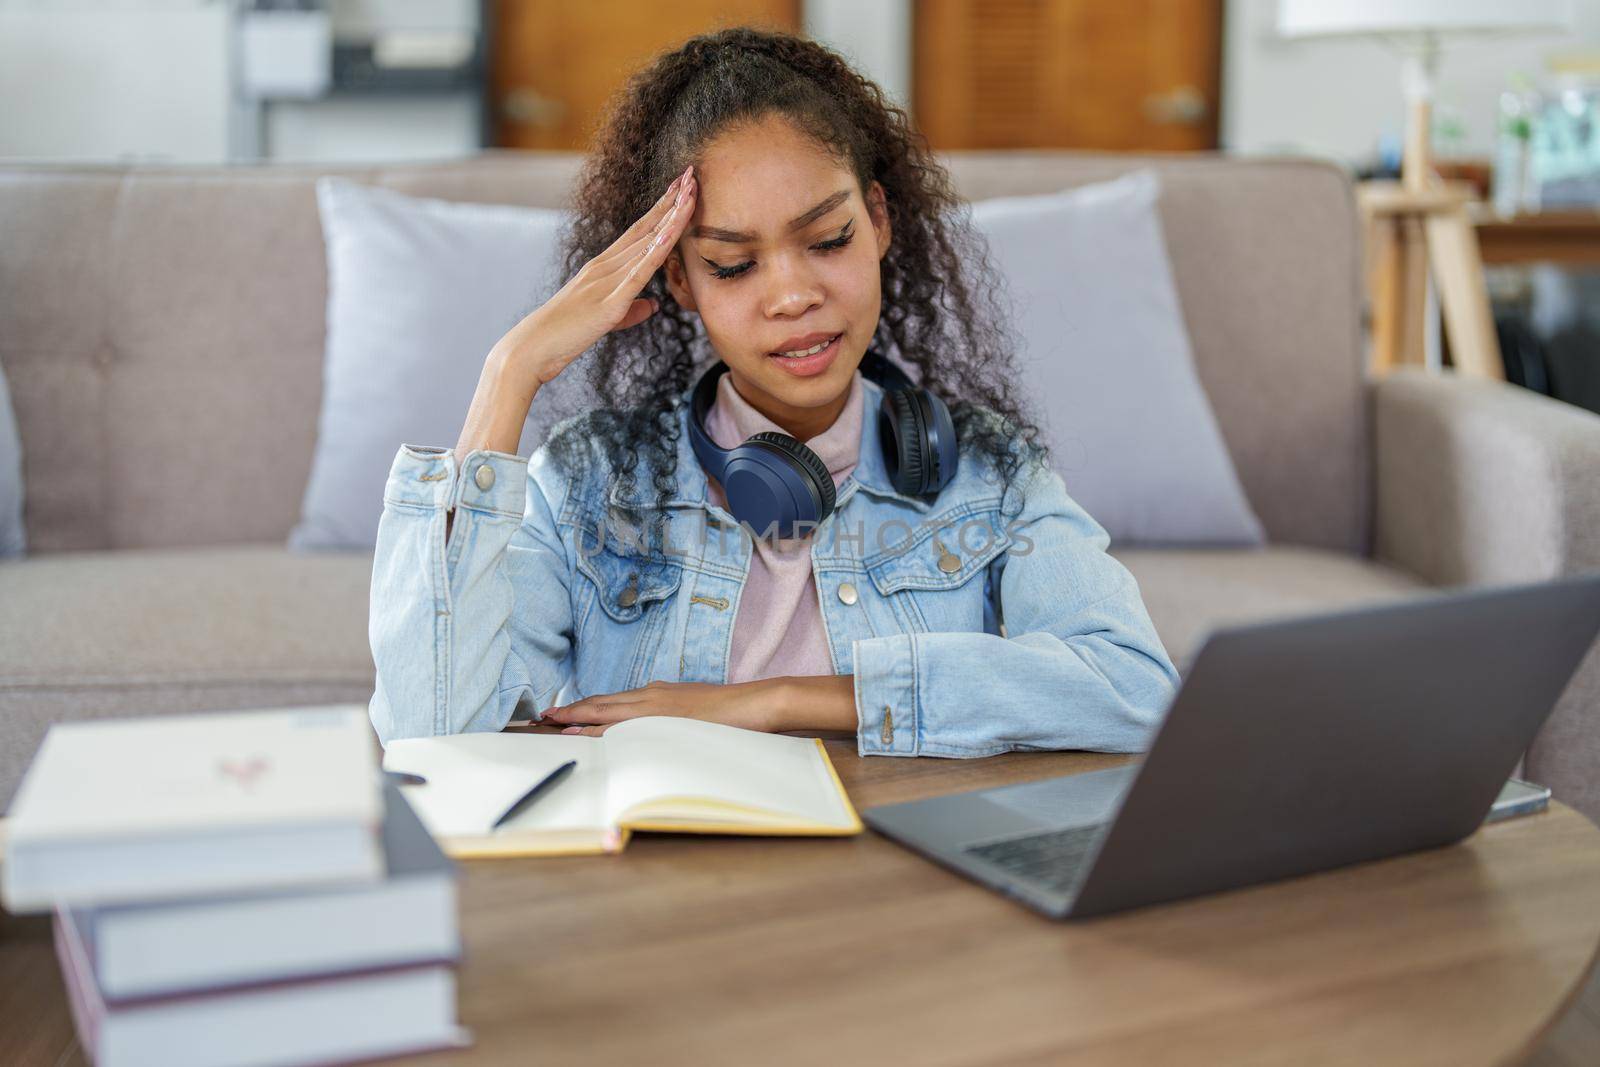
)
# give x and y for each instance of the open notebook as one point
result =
(650, 773)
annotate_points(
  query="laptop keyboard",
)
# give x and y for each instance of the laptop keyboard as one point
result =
(1057, 859)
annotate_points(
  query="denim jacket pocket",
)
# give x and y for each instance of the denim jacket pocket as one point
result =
(932, 576)
(618, 643)
(625, 585)
(965, 541)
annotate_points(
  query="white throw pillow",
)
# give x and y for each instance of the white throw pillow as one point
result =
(419, 290)
(1106, 358)
(13, 537)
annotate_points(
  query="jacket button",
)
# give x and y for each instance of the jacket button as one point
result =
(949, 563)
(630, 595)
(484, 477)
(847, 592)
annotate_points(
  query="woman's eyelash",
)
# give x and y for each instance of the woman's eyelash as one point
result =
(823, 246)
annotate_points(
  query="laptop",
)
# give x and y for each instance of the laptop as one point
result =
(1291, 747)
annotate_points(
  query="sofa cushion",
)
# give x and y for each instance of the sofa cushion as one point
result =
(108, 634)
(1266, 254)
(419, 291)
(1190, 591)
(1106, 358)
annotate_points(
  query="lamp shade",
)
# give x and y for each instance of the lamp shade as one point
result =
(1307, 18)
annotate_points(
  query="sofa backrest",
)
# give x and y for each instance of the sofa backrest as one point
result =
(161, 329)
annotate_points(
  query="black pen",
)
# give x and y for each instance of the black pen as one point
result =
(533, 794)
(405, 778)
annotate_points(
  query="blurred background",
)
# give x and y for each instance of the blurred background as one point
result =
(204, 81)
(1516, 95)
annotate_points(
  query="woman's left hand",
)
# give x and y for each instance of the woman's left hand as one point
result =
(751, 705)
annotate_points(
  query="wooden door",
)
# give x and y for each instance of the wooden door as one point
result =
(555, 63)
(1104, 74)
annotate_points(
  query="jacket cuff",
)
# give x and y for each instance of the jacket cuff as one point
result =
(426, 477)
(886, 695)
(492, 481)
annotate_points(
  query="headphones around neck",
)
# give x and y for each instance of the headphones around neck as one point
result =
(772, 477)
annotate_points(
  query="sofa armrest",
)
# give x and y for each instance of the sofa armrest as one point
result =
(1483, 483)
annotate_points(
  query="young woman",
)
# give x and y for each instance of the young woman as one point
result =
(914, 574)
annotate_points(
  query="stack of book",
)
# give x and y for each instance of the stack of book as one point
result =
(239, 888)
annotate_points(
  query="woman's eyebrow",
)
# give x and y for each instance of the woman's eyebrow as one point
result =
(711, 233)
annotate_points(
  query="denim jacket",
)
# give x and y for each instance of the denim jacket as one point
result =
(968, 632)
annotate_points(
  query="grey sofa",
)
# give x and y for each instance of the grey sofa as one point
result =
(162, 333)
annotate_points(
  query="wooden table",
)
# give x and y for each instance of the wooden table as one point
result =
(1570, 238)
(749, 950)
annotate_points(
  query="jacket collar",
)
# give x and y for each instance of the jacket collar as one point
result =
(870, 473)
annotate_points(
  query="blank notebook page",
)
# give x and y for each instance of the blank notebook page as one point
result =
(657, 757)
(474, 778)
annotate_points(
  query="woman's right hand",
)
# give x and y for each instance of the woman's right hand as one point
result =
(603, 295)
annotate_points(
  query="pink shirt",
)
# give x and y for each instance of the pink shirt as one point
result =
(778, 630)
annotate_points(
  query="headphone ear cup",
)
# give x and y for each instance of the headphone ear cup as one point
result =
(943, 449)
(909, 465)
(808, 463)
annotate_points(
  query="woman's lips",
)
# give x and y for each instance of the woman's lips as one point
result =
(806, 366)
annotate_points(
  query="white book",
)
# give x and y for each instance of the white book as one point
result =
(124, 810)
(651, 773)
(144, 950)
(388, 1011)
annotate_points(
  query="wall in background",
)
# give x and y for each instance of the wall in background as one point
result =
(875, 37)
(106, 81)
(99, 80)
(367, 130)
(364, 129)
(1336, 97)
(95, 80)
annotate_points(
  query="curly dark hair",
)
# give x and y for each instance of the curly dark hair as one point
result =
(934, 317)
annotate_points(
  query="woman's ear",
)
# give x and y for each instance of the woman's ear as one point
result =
(678, 280)
(878, 210)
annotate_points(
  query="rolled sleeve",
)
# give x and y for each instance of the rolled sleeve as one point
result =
(426, 477)
(886, 695)
(492, 482)
(467, 630)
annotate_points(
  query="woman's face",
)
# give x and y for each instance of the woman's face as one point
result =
(782, 252)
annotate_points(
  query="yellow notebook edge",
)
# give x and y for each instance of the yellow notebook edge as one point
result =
(488, 847)
(743, 829)
(833, 773)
